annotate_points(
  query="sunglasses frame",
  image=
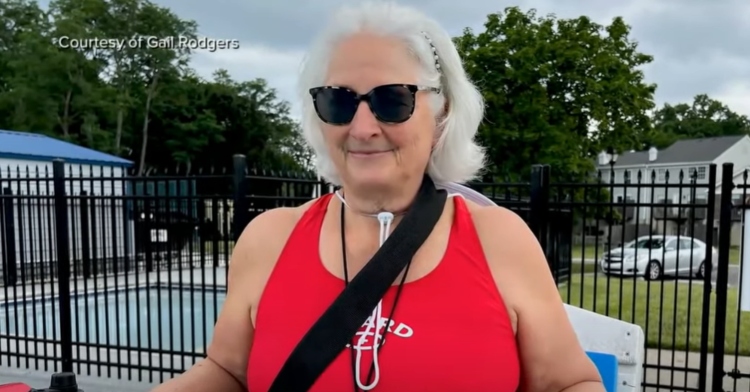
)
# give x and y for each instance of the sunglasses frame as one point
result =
(366, 97)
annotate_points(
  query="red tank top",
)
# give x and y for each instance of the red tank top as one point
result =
(450, 332)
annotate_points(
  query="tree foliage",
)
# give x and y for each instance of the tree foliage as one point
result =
(558, 91)
(705, 117)
(141, 102)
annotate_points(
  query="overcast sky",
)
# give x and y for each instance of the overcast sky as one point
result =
(699, 46)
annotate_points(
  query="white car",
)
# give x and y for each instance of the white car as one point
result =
(657, 255)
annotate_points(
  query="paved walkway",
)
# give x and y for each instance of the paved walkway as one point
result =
(683, 379)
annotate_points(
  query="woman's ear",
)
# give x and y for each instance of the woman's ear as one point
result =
(440, 122)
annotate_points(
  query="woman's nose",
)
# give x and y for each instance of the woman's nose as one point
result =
(364, 124)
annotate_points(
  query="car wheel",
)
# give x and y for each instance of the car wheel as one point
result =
(653, 271)
(701, 273)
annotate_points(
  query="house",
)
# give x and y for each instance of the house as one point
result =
(681, 163)
(27, 218)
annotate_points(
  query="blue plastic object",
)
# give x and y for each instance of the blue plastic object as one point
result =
(607, 365)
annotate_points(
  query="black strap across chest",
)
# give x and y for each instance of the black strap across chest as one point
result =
(330, 334)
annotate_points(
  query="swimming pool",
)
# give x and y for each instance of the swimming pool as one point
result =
(156, 317)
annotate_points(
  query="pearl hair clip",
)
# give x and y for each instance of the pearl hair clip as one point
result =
(434, 51)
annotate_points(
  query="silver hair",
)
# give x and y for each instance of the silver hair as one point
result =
(456, 156)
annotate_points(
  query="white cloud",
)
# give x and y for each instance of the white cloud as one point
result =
(736, 96)
(698, 48)
(278, 67)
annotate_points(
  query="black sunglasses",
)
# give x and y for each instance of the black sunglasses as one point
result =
(390, 103)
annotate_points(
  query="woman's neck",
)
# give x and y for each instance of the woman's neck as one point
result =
(396, 200)
(363, 206)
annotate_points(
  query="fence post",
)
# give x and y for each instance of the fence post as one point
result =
(63, 264)
(240, 206)
(8, 232)
(86, 236)
(323, 186)
(539, 203)
(722, 275)
(705, 317)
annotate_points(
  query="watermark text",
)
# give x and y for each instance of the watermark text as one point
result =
(149, 42)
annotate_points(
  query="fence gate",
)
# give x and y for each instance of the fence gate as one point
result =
(731, 363)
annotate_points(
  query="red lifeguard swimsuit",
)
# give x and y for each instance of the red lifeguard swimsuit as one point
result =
(450, 333)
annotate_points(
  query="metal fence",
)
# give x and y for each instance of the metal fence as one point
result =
(123, 276)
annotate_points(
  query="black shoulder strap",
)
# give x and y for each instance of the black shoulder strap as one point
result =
(340, 322)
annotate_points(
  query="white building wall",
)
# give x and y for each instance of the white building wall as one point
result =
(667, 184)
(110, 231)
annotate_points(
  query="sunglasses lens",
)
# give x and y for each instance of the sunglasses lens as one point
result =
(392, 104)
(336, 105)
(389, 103)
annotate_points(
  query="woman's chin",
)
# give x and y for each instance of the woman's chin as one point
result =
(371, 178)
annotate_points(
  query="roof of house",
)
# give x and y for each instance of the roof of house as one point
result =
(683, 151)
(36, 147)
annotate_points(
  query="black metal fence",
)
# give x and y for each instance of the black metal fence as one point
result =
(120, 276)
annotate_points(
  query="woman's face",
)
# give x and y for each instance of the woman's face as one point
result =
(367, 152)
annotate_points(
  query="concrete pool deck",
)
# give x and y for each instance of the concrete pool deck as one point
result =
(38, 379)
(209, 276)
(20, 357)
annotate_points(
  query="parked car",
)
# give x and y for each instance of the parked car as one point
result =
(657, 255)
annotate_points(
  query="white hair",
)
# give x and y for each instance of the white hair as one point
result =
(456, 156)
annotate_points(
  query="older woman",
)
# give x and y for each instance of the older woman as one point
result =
(386, 101)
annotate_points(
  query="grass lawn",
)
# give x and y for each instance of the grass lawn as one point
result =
(644, 302)
(587, 268)
(589, 252)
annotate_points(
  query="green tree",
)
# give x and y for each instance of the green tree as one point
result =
(558, 91)
(135, 70)
(24, 54)
(223, 117)
(137, 101)
(705, 117)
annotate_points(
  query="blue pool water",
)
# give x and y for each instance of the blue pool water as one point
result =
(149, 317)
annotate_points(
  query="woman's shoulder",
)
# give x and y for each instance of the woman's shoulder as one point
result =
(272, 225)
(493, 218)
(259, 246)
(509, 245)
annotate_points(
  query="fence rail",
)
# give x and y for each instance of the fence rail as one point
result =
(124, 276)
